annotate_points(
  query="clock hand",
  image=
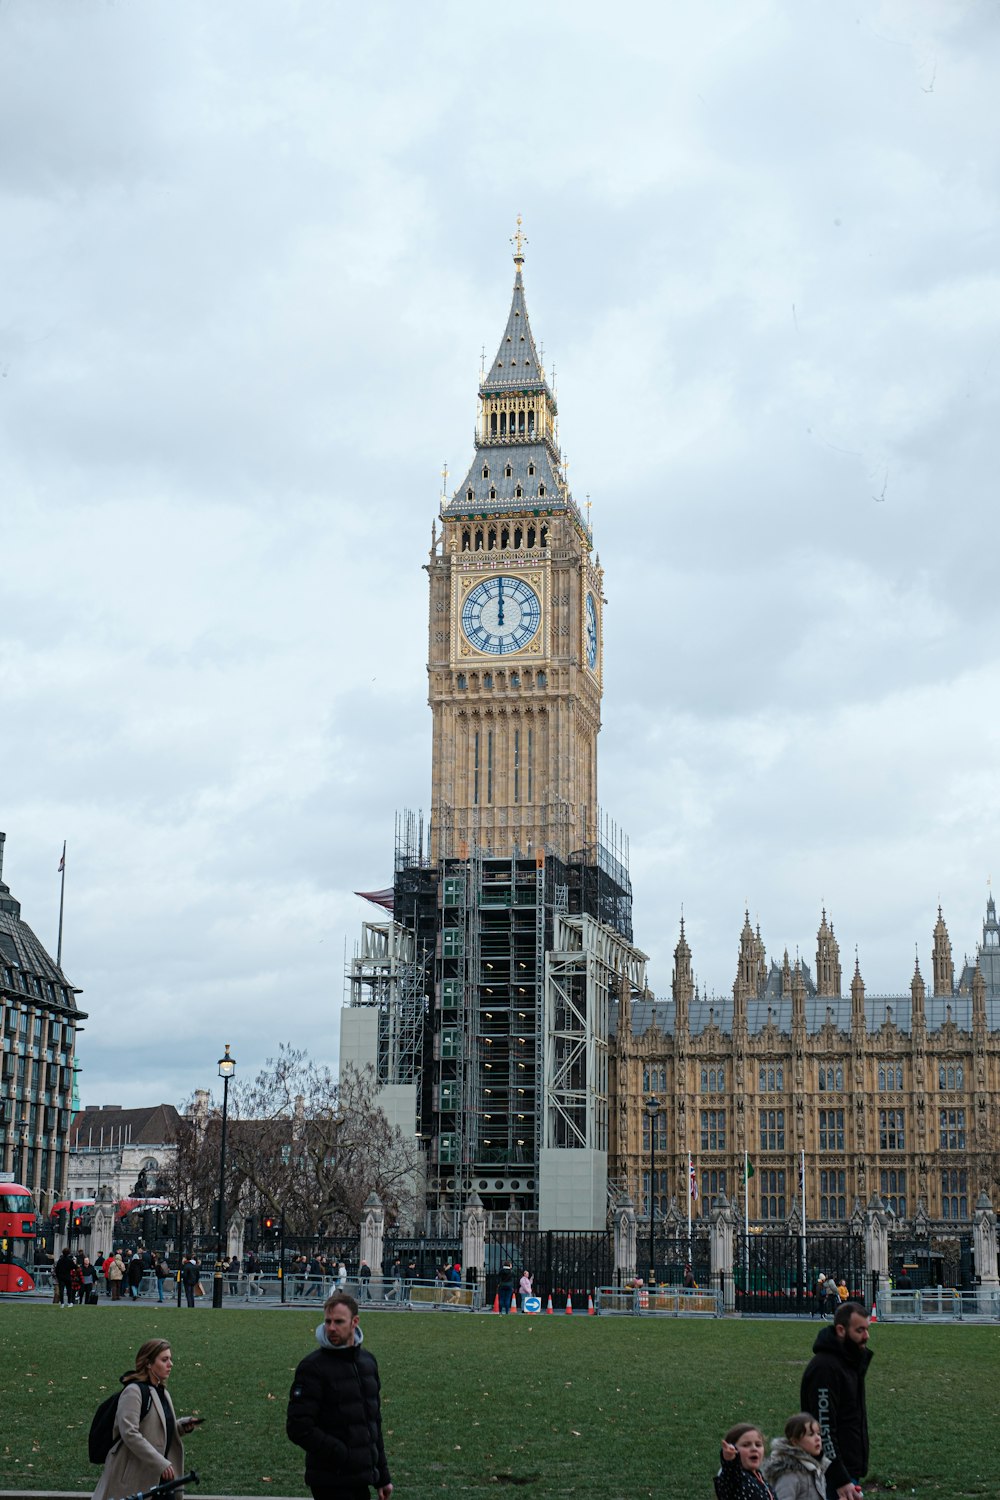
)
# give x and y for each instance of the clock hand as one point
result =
(500, 601)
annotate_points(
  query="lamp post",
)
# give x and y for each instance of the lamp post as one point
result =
(22, 1126)
(652, 1110)
(227, 1067)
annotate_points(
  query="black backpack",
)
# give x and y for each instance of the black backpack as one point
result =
(102, 1429)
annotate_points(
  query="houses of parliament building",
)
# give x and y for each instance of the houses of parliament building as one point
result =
(897, 1095)
(501, 995)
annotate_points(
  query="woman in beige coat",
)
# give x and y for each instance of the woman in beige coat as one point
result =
(146, 1450)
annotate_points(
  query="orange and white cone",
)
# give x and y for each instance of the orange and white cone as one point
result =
(569, 1303)
(496, 1303)
(874, 1316)
(550, 1308)
(513, 1302)
(590, 1306)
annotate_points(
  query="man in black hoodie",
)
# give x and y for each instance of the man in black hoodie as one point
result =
(335, 1412)
(833, 1390)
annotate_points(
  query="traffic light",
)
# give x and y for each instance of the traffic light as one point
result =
(77, 1223)
(250, 1230)
(268, 1225)
(61, 1222)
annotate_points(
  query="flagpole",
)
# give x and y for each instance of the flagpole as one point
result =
(746, 1221)
(62, 896)
(802, 1191)
(690, 1175)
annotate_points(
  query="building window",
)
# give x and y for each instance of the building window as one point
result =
(713, 1130)
(833, 1194)
(661, 1198)
(771, 1080)
(893, 1188)
(772, 1130)
(951, 1078)
(452, 942)
(475, 768)
(772, 1194)
(831, 1130)
(461, 682)
(890, 1079)
(952, 1129)
(450, 1042)
(891, 1135)
(487, 679)
(713, 1080)
(831, 1079)
(489, 761)
(654, 1079)
(712, 1184)
(517, 755)
(659, 1134)
(954, 1193)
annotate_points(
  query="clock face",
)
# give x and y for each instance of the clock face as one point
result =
(591, 624)
(501, 615)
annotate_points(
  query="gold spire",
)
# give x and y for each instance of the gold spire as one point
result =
(519, 240)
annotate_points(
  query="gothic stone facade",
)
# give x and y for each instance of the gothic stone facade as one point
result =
(895, 1095)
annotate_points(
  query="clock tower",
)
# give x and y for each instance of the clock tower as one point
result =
(514, 651)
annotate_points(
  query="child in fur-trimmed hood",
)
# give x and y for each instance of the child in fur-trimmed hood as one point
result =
(796, 1464)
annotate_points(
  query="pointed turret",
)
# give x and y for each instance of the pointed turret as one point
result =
(918, 994)
(798, 998)
(828, 975)
(857, 998)
(942, 965)
(682, 984)
(979, 999)
(786, 975)
(745, 983)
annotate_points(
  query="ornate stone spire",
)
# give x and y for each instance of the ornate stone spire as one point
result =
(942, 966)
(828, 976)
(682, 985)
(857, 998)
(918, 993)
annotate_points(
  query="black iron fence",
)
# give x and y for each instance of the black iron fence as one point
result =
(562, 1263)
(778, 1272)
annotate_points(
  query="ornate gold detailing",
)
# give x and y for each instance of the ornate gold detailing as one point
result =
(518, 240)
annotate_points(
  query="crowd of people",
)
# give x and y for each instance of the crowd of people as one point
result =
(334, 1414)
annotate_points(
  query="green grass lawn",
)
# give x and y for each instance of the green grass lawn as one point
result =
(584, 1407)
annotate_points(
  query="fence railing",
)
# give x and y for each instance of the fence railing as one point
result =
(939, 1304)
(659, 1301)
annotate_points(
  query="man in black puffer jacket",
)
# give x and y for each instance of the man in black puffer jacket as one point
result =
(335, 1412)
(833, 1390)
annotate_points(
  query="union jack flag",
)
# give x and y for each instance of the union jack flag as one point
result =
(694, 1182)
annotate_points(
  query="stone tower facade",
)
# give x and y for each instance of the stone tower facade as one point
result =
(514, 644)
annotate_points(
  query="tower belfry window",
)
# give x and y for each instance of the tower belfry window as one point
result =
(493, 491)
(486, 471)
(508, 472)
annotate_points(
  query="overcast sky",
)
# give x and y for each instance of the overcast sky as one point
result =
(250, 254)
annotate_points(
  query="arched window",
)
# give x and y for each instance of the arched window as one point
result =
(493, 424)
(468, 493)
(941, 1078)
(466, 539)
(503, 424)
(840, 1078)
(645, 1080)
(479, 539)
(531, 471)
(517, 492)
(508, 472)
(541, 490)
(779, 1079)
(493, 491)
(541, 679)
(959, 1077)
(504, 537)
(899, 1077)
(951, 1078)
(517, 536)
(486, 471)
(461, 682)
(520, 422)
(491, 539)
(531, 419)
(881, 1080)
(704, 1080)
(531, 536)
(545, 536)
(487, 679)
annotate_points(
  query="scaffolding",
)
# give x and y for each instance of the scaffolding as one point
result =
(389, 974)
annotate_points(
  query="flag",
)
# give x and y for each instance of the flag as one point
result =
(748, 1170)
(694, 1183)
(62, 861)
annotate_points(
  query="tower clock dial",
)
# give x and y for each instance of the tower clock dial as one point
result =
(501, 615)
(591, 627)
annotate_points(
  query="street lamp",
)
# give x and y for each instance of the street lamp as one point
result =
(227, 1067)
(22, 1126)
(652, 1110)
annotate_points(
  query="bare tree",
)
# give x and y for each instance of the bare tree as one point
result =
(303, 1147)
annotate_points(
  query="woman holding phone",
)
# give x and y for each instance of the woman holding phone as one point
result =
(147, 1448)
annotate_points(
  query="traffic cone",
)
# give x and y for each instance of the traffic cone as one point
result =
(550, 1308)
(874, 1316)
(496, 1303)
(590, 1306)
(513, 1302)
(569, 1303)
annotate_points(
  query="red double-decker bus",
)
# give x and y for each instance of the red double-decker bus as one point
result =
(18, 1228)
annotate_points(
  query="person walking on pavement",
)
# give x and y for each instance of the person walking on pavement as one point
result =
(189, 1279)
(833, 1391)
(335, 1411)
(506, 1287)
